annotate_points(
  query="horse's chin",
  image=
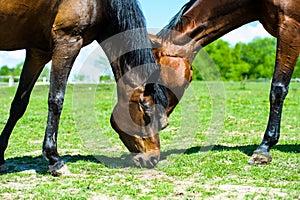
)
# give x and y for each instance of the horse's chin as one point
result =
(145, 149)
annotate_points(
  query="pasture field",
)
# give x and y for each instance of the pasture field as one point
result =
(195, 164)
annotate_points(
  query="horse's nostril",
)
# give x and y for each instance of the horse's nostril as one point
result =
(140, 160)
(153, 160)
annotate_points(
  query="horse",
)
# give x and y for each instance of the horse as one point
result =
(200, 22)
(57, 30)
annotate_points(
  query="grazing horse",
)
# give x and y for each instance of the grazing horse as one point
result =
(57, 30)
(200, 22)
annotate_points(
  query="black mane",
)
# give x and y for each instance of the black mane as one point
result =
(176, 22)
(128, 16)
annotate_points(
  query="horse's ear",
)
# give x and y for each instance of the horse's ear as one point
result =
(155, 41)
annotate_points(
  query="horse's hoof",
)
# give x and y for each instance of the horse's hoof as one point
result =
(260, 159)
(62, 171)
(3, 168)
(58, 169)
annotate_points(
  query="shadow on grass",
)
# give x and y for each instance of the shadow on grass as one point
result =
(40, 165)
(247, 149)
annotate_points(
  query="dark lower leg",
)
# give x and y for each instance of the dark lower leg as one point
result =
(4, 137)
(50, 141)
(16, 112)
(64, 55)
(272, 134)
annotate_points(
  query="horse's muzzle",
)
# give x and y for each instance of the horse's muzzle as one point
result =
(146, 160)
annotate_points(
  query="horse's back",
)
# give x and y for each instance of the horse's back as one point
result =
(32, 24)
(26, 22)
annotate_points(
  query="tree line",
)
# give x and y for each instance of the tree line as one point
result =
(253, 60)
(16, 72)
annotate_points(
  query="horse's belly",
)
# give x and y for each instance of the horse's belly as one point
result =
(11, 37)
(20, 37)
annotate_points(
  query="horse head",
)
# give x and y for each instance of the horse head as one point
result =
(138, 116)
(138, 121)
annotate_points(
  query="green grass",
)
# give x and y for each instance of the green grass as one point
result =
(194, 163)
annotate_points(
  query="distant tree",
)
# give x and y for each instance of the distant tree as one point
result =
(260, 53)
(221, 53)
(239, 69)
(5, 71)
(18, 69)
(104, 78)
(252, 60)
(219, 61)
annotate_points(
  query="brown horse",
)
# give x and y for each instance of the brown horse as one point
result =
(57, 30)
(200, 22)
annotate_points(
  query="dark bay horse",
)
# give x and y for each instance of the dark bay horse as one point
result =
(57, 30)
(200, 22)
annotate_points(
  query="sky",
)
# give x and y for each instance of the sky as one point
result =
(157, 13)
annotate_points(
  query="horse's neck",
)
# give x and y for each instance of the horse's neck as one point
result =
(208, 20)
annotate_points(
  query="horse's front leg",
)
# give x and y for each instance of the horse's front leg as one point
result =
(288, 49)
(65, 52)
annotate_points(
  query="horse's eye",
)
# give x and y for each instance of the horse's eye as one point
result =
(146, 107)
